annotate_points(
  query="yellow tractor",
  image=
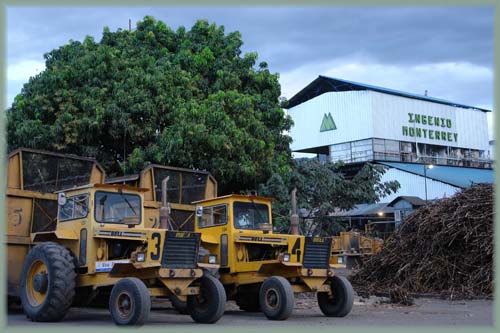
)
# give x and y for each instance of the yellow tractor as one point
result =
(72, 239)
(262, 270)
(259, 269)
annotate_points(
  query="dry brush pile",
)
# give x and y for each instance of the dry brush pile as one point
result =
(445, 247)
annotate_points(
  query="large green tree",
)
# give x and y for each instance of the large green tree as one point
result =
(321, 189)
(154, 95)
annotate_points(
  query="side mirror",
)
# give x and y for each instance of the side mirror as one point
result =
(199, 211)
(61, 198)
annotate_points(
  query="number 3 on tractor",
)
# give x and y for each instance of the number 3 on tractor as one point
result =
(155, 255)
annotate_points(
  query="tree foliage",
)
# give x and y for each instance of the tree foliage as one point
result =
(154, 95)
(322, 188)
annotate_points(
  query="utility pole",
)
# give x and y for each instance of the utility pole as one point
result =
(294, 219)
(430, 166)
(425, 181)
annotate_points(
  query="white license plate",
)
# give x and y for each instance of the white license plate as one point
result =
(106, 266)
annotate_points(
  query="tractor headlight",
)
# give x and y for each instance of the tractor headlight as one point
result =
(212, 259)
(286, 257)
(340, 260)
(141, 256)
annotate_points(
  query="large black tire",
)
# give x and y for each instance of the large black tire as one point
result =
(208, 307)
(276, 298)
(179, 306)
(339, 304)
(130, 302)
(248, 302)
(47, 283)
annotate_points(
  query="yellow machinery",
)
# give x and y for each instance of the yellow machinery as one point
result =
(248, 256)
(353, 246)
(262, 270)
(71, 239)
(184, 187)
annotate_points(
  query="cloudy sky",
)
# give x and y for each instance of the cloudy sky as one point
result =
(447, 51)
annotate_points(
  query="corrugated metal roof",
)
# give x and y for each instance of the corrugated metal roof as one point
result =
(456, 176)
(415, 201)
(364, 210)
(323, 84)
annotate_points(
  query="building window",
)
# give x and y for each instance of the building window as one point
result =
(362, 150)
(392, 150)
(76, 207)
(387, 150)
(356, 151)
(213, 216)
(341, 152)
(408, 153)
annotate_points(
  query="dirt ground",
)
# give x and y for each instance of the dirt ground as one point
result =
(366, 312)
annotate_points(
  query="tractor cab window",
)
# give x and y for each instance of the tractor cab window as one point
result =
(76, 207)
(112, 207)
(212, 216)
(250, 215)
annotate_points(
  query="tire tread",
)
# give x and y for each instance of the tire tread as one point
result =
(287, 296)
(217, 302)
(337, 310)
(61, 289)
(141, 296)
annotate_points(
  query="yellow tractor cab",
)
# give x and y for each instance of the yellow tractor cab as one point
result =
(261, 270)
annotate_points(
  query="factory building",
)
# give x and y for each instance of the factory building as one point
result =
(433, 147)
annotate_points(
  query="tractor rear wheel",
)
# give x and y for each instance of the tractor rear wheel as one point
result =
(208, 306)
(47, 282)
(276, 298)
(130, 302)
(339, 302)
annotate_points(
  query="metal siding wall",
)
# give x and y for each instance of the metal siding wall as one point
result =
(390, 114)
(414, 185)
(351, 112)
(473, 126)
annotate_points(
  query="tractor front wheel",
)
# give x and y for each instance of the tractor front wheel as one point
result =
(208, 306)
(339, 302)
(130, 302)
(276, 298)
(47, 282)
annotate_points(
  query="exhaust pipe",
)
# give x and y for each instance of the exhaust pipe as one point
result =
(294, 219)
(165, 207)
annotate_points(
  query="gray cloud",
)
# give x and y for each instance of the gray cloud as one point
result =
(289, 38)
(285, 37)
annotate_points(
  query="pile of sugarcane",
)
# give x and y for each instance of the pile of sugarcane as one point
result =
(444, 247)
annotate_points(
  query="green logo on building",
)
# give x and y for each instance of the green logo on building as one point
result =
(327, 124)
